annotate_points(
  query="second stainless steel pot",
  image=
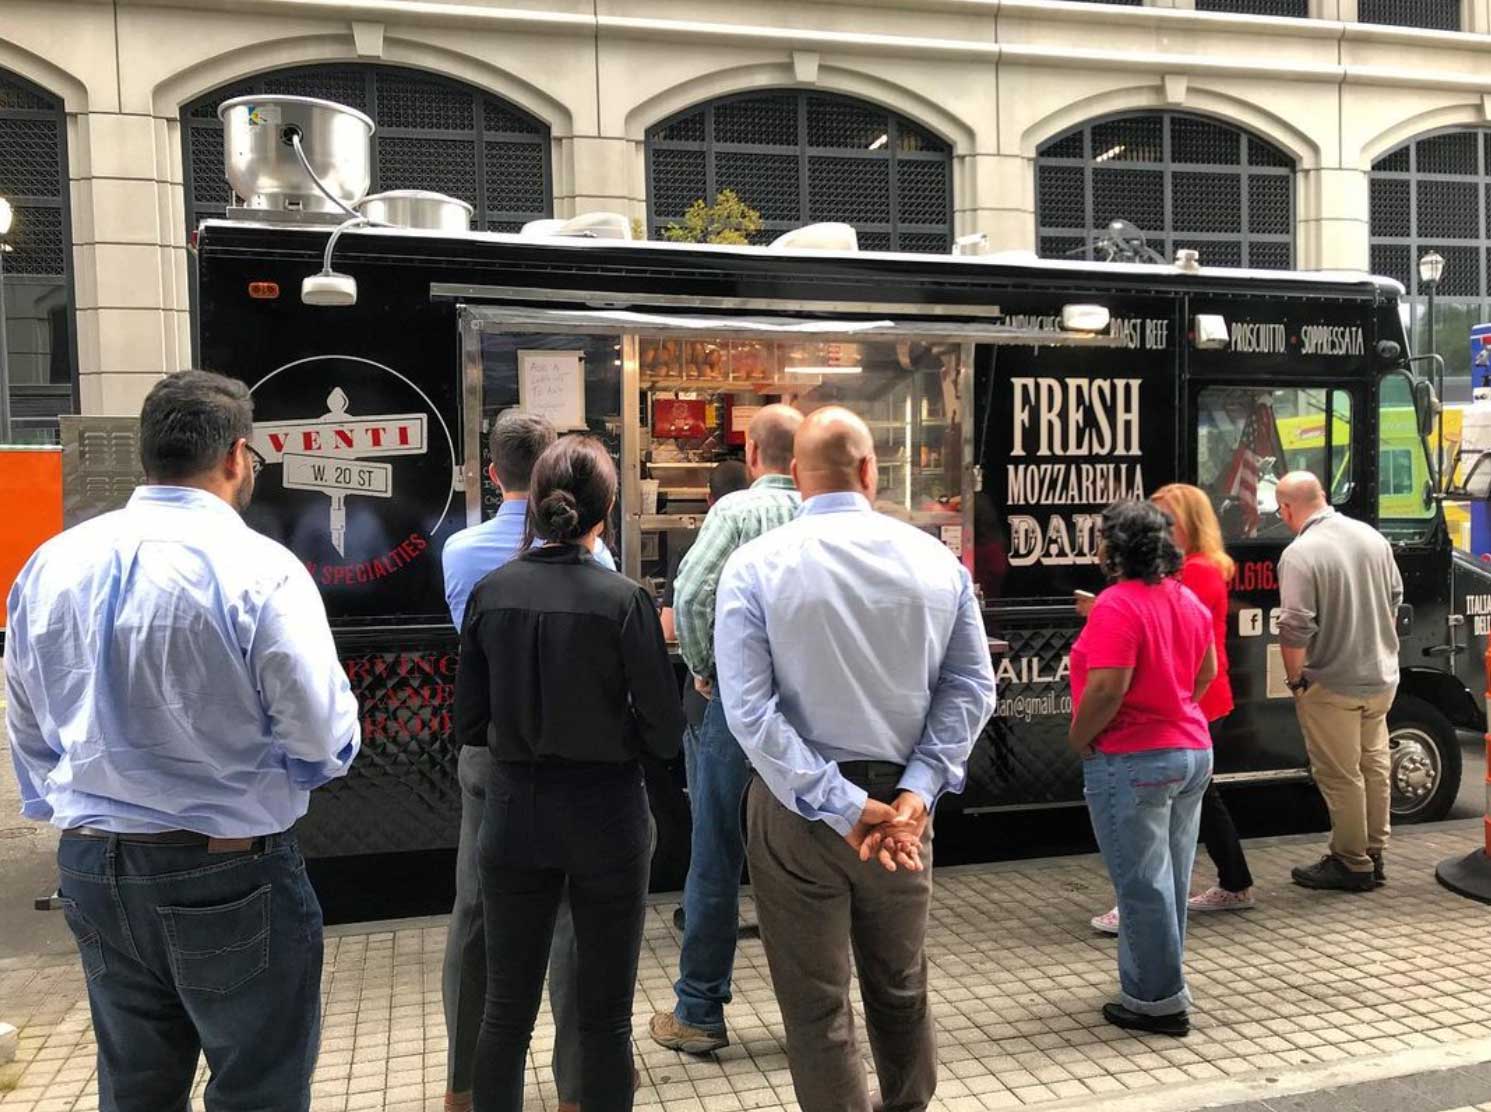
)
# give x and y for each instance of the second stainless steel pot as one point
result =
(417, 208)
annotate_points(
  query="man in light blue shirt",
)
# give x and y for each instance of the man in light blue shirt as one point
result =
(174, 695)
(855, 673)
(516, 441)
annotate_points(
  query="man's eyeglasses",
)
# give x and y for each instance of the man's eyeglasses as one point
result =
(256, 461)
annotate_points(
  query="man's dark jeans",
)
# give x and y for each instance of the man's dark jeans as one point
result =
(544, 825)
(189, 951)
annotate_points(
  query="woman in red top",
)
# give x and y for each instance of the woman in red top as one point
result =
(1206, 571)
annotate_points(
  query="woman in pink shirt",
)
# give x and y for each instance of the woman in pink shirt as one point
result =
(1144, 659)
(1206, 570)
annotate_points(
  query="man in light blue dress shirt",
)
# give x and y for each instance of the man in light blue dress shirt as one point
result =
(174, 696)
(516, 441)
(855, 673)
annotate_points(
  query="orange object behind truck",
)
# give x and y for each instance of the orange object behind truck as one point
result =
(30, 507)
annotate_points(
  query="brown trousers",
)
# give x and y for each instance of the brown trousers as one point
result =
(814, 900)
(1346, 740)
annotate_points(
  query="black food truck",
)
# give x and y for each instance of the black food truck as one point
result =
(1011, 400)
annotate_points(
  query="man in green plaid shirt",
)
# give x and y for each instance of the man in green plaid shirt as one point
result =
(718, 771)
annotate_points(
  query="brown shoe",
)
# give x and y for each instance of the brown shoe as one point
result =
(668, 1031)
(457, 1102)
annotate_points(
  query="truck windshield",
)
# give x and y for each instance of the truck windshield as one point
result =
(1249, 437)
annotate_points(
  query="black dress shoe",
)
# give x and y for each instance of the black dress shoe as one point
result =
(678, 919)
(1177, 1024)
(1330, 872)
(1379, 871)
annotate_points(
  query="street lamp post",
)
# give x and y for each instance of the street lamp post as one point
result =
(1431, 270)
(6, 215)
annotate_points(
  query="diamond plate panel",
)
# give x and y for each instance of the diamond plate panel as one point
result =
(1263, 255)
(1137, 196)
(15, 95)
(1022, 756)
(444, 165)
(1061, 196)
(29, 164)
(845, 124)
(205, 150)
(874, 241)
(1069, 146)
(685, 129)
(401, 793)
(499, 117)
(409, 101)
(1065, 247)
(1261, 153)
(1462, 269)
(921, 192)
(909, 137)
(1129, 139)
(1448, 209)
(1396, 161)
(931, 243)
(1205, 202)
(1193, 140)
(344, 85)
(678, 180)
(515, 177)
(767, 183)
(1270, 204)
(1213, 252)
(1433, 15)
(1395, 261)
(849, 189)
(1453, 152)
(40, 246)
(1287, 9)
(1391, 207)
(763, 121)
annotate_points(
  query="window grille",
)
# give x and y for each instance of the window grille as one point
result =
(1433, 15)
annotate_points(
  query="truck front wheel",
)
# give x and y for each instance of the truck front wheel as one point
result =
(1425, 754)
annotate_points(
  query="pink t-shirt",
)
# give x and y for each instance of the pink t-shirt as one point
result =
(1162, 632)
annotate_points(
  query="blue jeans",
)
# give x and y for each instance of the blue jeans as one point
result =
(1146, 808)
(718, 775)
(187, 951)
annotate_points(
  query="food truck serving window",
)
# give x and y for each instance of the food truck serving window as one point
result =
(1248, 438)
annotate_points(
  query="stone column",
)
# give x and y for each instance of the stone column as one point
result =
(1333, 226)
(995, 194)
(594, 174)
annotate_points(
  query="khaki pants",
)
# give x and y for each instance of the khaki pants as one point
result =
(1346, 739)
(814, 900)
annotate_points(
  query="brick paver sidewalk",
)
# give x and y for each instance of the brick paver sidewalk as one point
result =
(1308, 991)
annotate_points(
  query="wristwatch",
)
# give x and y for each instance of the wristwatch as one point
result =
(1299, 686)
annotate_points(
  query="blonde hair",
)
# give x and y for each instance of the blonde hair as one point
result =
(1191, 509)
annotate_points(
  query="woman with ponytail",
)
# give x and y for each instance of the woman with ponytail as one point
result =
(565, 677)
(1139, 668)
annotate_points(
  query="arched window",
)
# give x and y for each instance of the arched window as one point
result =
(800, 157)
(1184, 181)
(1434, 194)
(433, 133)
(38, 260)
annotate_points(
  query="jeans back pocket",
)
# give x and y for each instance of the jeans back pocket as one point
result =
(90, 945)
(220, 948)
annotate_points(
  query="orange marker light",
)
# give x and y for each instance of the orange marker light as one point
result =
(264, 291)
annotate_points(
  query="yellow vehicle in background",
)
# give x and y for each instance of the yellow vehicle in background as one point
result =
(1404, 474)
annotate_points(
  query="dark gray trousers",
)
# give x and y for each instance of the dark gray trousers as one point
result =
(816, 901)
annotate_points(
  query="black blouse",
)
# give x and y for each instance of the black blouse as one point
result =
(564, 659)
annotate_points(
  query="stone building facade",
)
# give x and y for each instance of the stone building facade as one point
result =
(1308, 133)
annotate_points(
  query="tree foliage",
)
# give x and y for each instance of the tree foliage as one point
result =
(728, 220)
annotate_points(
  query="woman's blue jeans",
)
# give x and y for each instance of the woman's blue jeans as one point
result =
(1145, 809)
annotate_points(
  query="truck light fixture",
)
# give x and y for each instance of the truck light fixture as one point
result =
(1085, 318)
(1211, 333)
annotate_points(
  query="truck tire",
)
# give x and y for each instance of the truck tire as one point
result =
(1425, 754)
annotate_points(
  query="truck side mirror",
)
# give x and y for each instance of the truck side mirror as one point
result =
(1426, 405)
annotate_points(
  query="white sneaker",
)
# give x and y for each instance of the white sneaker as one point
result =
(1219, 899)
(1108, 923)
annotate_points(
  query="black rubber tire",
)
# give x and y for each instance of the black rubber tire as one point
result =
(1411, 713)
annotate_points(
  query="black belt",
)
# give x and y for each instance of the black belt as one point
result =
(172, 838)
(873, 776)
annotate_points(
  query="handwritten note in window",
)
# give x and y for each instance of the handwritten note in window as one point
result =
(552, 384)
